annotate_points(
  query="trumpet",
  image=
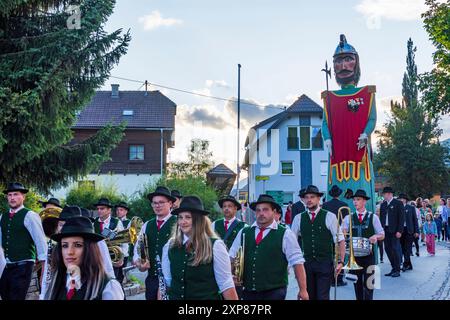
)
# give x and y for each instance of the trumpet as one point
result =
(238, 262)
(143, 248)
(351, 264)
(129, 235)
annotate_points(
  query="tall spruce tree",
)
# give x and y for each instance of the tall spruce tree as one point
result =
(435, 85)
(53, 56)
(410, 155)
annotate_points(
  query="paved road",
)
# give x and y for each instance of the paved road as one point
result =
(430, 280)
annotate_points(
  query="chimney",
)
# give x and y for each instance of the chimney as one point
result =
(114, 91)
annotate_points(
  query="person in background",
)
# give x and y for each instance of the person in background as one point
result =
(430, 231)
(380, 242)
(438, 221)
(419, 223)
(444, 217)
(447, 208)
(288, 214)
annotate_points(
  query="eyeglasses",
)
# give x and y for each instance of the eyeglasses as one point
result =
(159, 204)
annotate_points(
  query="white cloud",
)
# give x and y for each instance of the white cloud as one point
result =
(217, 83)
(399, 10)
(204, 91)
(154, 20)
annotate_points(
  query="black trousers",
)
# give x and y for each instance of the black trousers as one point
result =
(381, 248)
(151, 287)
(393, 250)
(118, 272)
(318, 279)
(274, 294)
(416, 244)
(406, 242)
(15, 281)
(364, 287)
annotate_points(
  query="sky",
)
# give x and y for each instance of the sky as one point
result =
(196, 46)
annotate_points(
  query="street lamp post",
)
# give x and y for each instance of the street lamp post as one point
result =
(238, 129)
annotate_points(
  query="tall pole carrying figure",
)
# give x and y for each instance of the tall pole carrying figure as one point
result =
(349, 120)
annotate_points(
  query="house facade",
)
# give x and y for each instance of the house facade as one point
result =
(285, 153)
(141, 156)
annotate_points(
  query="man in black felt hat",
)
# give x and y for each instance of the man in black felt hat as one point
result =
(319, 232)
(177, 195)
(50, 203)
(392, 216)
(122, 210)
(23, 240)
(107, 225)
(366, 225)
(158, 231)
(299, 206)
(228, 226)
(269, 249)
(410, 231)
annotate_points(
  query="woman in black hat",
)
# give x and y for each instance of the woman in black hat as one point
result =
(77, 267)
(195, 262)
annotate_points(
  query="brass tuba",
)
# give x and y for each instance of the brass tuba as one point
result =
(49, 220)
(128, 235)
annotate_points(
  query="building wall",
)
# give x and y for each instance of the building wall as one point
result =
(120, 163)
(307, 164)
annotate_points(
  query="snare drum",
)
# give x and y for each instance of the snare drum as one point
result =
(361, 247)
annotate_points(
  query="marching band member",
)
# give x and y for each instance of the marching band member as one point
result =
(177, 195)
(23, 240)
(196, 264)
(269, 249)
(228, 227)
(318, 229)
(77, 267)
(69, 212)
(2, 261)
(367, 225)
(158, 231)
(106, 223)
(122, 210)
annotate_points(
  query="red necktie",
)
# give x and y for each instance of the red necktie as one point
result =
(360, 217)
(11, 214)
(159, 222)
(226, 225)
(313, 216)
(101, 226)
(70, 294)
(259, 237)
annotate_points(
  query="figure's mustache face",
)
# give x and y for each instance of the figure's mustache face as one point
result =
(345, 73)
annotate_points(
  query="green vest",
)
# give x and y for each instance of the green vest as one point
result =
(79, 294)
(219, 228)
(317, 240)
(112, 224)
(16, 239)
(189, 282)
(265, 265)
(363, 229)
(157, 239)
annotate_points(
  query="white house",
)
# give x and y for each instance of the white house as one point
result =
(286, 152)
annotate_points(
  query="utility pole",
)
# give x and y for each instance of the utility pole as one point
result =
(238, 129)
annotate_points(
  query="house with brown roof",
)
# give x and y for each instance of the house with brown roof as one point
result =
(141, 156)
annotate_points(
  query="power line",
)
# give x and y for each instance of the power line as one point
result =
(197, 94)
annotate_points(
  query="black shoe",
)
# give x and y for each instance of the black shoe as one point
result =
(389, 274)
(395, 274)
(417, 253)
(342, 283)
(381, 261)
(409, 268)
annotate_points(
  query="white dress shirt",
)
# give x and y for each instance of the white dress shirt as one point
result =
(136, 252)
(290, 246)
(119, 227)
(112, 290)
(221, 264)
(2, 261)
(230, 222)
(376, 222)
(330, 222)
(33, 224)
